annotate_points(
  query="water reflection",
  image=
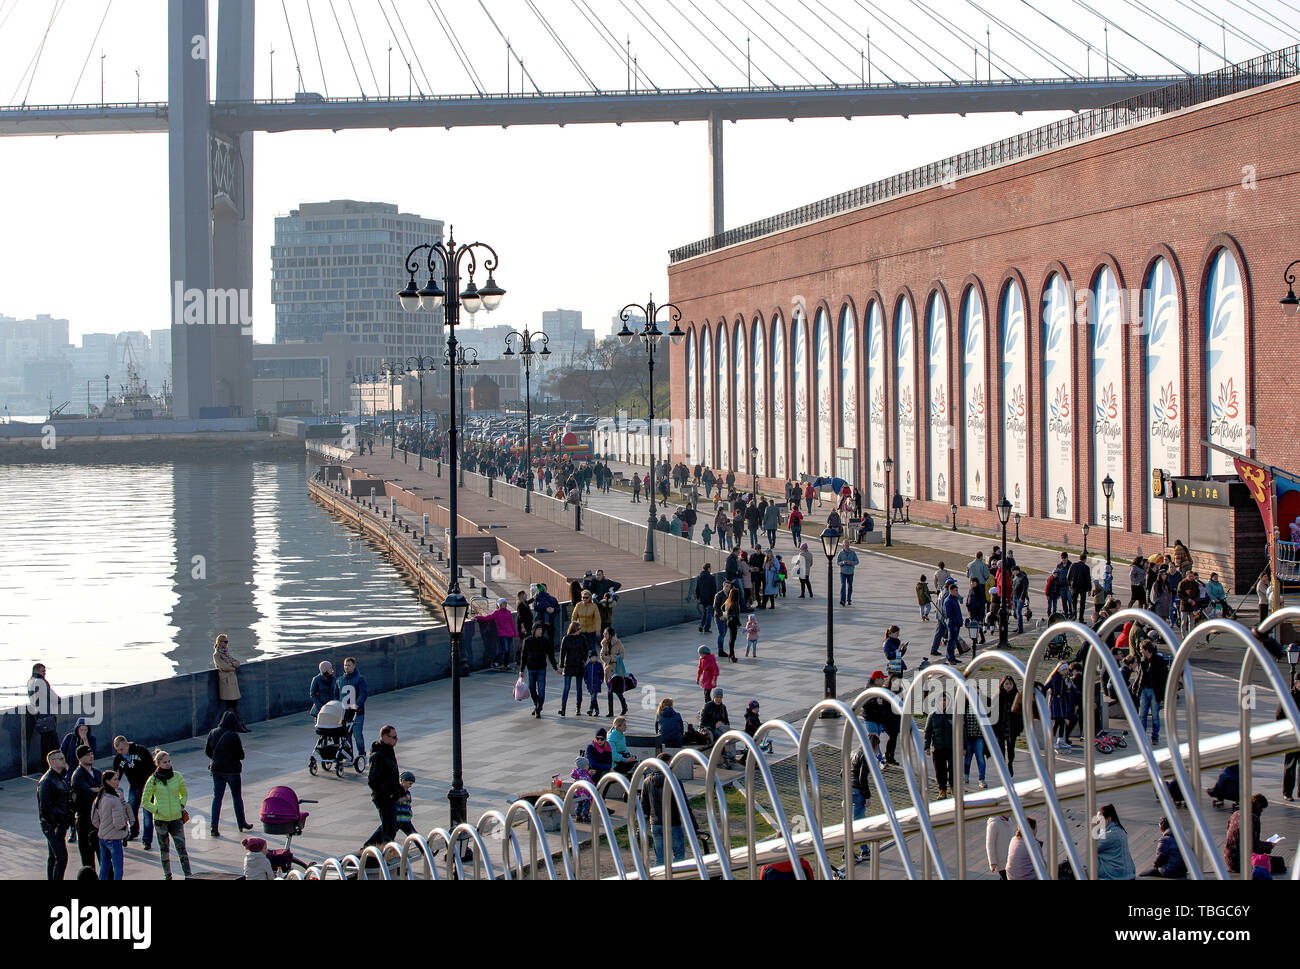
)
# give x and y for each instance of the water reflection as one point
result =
(122, 573)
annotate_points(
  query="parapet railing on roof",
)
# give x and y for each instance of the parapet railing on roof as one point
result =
(494, 847)
(1191, 91)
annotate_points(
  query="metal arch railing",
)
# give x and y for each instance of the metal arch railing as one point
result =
(1048, 787)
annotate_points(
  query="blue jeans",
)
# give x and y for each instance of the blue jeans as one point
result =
(771, 537)
(796, 534)
(359, 733)
(679, 842)
(808, 502)
(975, 747)
(219, 784)
(938, 636)
(569, 681)
(110, 860)
(503, 650)
(859, 805)
(1149, 704)
(537, 686)
(753, 536)
(954, 634)
(706, 615)
(846, 587)
(722, 635)
(136, 794)
(1019, 605)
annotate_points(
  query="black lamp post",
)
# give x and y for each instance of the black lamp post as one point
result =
(1004, 515)
(1290, 304)
(358, 381)
(650, 336)
(1108, 489)
(419, 366)
(1017, 520)
(527, 352)
(889, 505)
(830, 542)
(465, 357)
(1085, 538)
(430, 296)
(953, 509)
(391, 370)
(907, 509)
(753, 469)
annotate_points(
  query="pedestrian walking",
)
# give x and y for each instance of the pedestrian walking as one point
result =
(973, 739)
(771, 582)
(976, 608)
(1010, 723)
(733, 609)
(112, 821)
(537, 651)
(1080, 582)
(86, 784)
(1059, 708)
(706, 672)
(324, 687)
(938, 743)
(611, 659)
(952, 621)
(593, 675)
(803, 570)
(923, 600)
(573, 655)
(706, 588)
(353, 692)
(751, 637)
(226, 755)
(54, 809)
(164, 797)
(847, 561)
(587, 615)
(385, 784)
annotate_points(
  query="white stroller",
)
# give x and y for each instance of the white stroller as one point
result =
(334, 746)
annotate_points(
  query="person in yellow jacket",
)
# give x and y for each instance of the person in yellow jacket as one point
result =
(164, 797)
(587, 615)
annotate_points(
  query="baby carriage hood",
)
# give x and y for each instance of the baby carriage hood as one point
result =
(280, 806)
(330, 715)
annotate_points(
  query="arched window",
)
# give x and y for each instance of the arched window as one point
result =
(692, 403)
(762, 400)
(905, 387)
(975, 443)
(1164, 382)
(1058, 383)
(848, 380)
(724, 410)
(1224, 315)
(824, 456)
(1015, 410)
(937, 325)
(1108, 452)
(778, 398)
(706, 370)
(743, 460)
(800, 363)
(876, 405)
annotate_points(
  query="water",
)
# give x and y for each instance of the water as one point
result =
(122, 573)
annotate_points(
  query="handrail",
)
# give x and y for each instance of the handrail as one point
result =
(1183, 93)
(1048, 786)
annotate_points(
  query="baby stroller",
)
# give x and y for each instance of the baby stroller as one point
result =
(1058, 647)
(334, 740)
(280, 814)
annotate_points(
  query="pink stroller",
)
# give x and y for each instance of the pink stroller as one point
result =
(280, 814)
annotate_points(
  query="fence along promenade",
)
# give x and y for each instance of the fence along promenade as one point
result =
(494, 856)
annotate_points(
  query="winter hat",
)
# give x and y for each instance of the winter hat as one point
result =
(704, 651)
(501, 602)
(406, 775)
(753, 705)
(325, 666)
(254, 844)
(82, 751)
(581, 763)
(717, 693)
(600, 734)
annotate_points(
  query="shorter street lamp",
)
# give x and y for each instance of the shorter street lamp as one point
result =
(753, 467)
(953, 509)
(830, 541)
(1293, 657)
(418, 366)
(1085, 538)
(1017, 520)
(455, 610)
(907, 510)
(889, 506)
(1004, 515)
(1108, 489)
(1290, 304)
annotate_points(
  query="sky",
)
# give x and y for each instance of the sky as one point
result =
(582, 217)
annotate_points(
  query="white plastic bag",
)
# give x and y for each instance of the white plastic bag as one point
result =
(521, 689)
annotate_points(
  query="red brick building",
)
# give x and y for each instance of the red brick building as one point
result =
(1092, 298)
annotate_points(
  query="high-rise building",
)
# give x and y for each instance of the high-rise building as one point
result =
(568, 339)
(336, 267)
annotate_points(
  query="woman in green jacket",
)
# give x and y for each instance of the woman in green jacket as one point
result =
(164, 797)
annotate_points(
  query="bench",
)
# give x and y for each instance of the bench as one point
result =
(684, 771)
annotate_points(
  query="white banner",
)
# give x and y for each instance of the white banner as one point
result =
(1015, 420)
(939, 412)
(778, 398)
(905, 381)
(801, 465)
(692, 406)
(1058, 375)
(1164, 438)
(706, 373)
(760, 400)
(825, 418)
(975, 450)
(1225, 372)
(849, 382)
(743, 458)
(724, 411)
(1107, 397)
(876, 405)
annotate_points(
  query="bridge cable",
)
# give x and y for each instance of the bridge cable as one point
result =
(457, 48)
(1104, 19)
(699, 30)
(93, 41)
(319, 60)
(379, 91)
(694, 80)
(759, 37)
(1223, 24)
(559, 42)
(1196, 40)
(936, 50)
(886, 21)
(36, 58)
(903, 68)
(670, 36)
(601, 31)
(1254, 4)
(302, 85)
(348, 50)
(637, 69)
(1033, 47)
(503, 37)
(710, 22)
(10, 13)
(971, 39)
(1250, 13)
(1079, 38)
(876, 49)
(834, 32)
(415, 53)
(1284, 3)
(771, 26)
(478, 81)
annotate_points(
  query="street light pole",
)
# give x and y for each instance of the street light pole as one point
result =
(650, 336)
(419, 366)
(527, 352)
(1108, 489)
(461, 362)
(390, 369)
(889, 505)
(830, 541)
(1004, 515)
(430, 296)
(1085, 538)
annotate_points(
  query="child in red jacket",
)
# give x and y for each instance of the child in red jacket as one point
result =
(706, 673)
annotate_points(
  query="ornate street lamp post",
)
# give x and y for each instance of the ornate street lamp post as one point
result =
(1017, 520)
(650, 336)
(526, 351)
(465, 357)
(830, 542)
(1004, 516)
(953, 509)
(1108, 489)
(889, 504)
(450, 259)
(1085, 538)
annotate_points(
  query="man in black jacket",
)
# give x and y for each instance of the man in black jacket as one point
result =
(714, 720)
(385, 784)
(226, 752)
(86, 783)
(135, 763)
(54, 806)
(1080, 576)
(536, 652)
(1152, 678)
(652, 804)
(753, 518)
(706, 588)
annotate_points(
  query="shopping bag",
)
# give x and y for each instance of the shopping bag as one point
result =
(521, 689)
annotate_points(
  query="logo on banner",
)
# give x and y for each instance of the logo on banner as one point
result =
(938, 407)
(1059, 412)
(1164, 415)
(1223, 426)
(1106, 427)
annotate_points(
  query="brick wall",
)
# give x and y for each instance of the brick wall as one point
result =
(1223, 175)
